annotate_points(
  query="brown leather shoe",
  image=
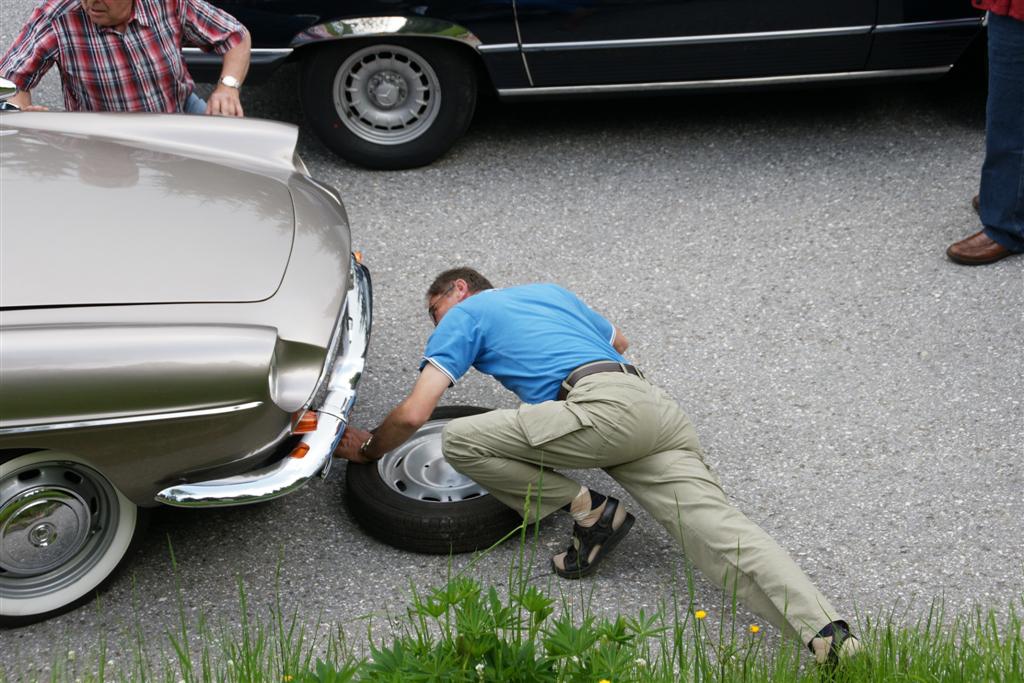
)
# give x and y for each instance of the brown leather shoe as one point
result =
(977, 250)
(976, 203)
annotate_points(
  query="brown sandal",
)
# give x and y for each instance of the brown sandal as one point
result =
(585, 538)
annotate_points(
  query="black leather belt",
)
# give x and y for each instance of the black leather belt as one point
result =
(588, 369)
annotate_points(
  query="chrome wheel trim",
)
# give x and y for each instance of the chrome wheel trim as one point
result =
(41, 529)
(63, 528)
(386, 94)
(417, 470)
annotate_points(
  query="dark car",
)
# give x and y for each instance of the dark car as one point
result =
(393, 84)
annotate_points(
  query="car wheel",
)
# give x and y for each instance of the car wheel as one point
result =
(413, 499)
(64, 529)
(389, 106)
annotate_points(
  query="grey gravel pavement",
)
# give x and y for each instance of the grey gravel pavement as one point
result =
(776, 260)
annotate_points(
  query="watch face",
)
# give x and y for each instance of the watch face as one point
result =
(230, 81)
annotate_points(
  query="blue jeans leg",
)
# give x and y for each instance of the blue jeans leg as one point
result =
(1002, 175)
(195, 104)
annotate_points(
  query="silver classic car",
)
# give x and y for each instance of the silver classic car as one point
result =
(182, 322)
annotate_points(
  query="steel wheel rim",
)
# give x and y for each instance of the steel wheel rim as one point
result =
(57, 521)
(386, 94)
(417, 470)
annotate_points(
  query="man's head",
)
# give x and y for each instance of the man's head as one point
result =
(109, 13)
(451, 287)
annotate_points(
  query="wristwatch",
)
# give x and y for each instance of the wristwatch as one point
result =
(366, 445)
(231, 82)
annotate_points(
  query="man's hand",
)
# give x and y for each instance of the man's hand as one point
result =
(224, 101)
(620, 343)
(351, 441)
(400, 423)
(23, 101)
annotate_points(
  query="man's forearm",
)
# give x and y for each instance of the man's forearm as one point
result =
(395, 430)
(236, 60)
(22, 99)
(225, 100)
(400, 424)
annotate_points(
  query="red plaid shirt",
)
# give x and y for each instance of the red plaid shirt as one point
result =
(104, 70)
(1011, 8)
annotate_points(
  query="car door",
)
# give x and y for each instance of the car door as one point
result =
(605, 42)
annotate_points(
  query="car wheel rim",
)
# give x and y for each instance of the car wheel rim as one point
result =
(57, 520)
(387, 95)
(417, 469)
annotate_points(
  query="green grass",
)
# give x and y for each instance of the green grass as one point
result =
(465, 631)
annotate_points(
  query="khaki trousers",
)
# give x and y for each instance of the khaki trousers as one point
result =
(640, 436)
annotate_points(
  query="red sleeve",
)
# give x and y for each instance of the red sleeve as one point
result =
(34, 50)
(1010, 8)
(210, 28)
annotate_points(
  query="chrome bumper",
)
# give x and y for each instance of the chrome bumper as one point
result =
(293, 471)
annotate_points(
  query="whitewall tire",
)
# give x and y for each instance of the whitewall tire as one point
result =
(64, 529)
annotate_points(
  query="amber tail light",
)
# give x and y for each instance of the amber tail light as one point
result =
(304, 422)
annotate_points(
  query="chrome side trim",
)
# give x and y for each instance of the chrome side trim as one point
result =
(290, 473)
(385, 26)
(697, 40)
(260, 56)
(131, 419)
(930, 25)
(511, 93)
(256, 52)
(495, 48)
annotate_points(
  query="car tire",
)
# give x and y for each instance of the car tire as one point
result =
(412, 499)
(64, 530)
(360, 100)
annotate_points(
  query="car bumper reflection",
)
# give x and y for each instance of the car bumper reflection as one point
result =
(312, 455)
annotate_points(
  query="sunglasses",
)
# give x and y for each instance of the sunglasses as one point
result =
(432, 309)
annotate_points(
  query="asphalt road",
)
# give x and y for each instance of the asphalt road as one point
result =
(776, 260)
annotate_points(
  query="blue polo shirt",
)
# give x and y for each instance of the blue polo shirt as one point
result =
(529, 338)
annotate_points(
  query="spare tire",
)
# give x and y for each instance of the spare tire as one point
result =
(414, 500)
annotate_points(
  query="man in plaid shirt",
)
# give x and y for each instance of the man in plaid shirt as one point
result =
(125, 55)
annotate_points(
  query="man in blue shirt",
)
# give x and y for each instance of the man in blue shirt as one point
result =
(585, 407)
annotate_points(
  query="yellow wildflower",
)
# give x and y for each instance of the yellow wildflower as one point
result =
(287, 677)
(604, 680)
(700, 614)
(754, 628)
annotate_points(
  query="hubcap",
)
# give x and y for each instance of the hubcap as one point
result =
(386, 89)
(41, 529)
(386, 94)
(57, 521)
(417, 469)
